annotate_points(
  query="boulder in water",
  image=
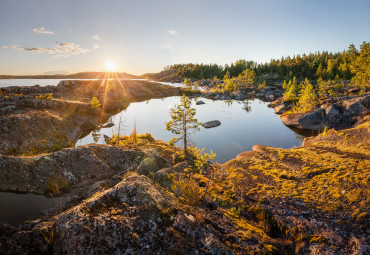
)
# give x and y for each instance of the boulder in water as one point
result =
(211, 124)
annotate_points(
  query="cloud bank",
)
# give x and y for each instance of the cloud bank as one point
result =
(42, 30)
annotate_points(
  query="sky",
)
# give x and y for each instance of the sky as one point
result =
(141, 36)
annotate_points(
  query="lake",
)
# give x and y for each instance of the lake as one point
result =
(243, 124)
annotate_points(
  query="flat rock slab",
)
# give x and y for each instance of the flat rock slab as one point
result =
(211, 124)
(200, 102)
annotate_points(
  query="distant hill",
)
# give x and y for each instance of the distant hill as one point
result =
(81, 75)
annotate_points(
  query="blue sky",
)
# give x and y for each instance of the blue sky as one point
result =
(38, 36)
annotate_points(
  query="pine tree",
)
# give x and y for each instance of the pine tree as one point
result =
(291, 93)
(308, 98)
(182, 122)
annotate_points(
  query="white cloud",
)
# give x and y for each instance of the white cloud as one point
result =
(42, 30)
(96, 46)
(172, 32)
(96, 37)
(167, 48)
(59, 50)
(15, 47)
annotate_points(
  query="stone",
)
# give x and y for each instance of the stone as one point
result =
(147, 165)
(280, 109)
(333, 116)
(313, 121)
(199, 102)
(163, 178)
(211, 124)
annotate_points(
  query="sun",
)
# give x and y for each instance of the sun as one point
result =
(110, 66)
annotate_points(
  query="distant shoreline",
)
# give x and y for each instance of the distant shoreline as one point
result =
(83, 75)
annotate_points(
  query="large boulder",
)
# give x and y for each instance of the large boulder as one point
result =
(357, 106)
(313, 121)
(333, 115)
(147, 165)
(163, 177)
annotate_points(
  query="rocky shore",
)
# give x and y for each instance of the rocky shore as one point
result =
(41, 119)
(134, 198)
(339, 113)
(308, 200)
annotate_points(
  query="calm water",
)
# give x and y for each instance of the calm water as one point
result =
(243, 124)
(31, 82)
(45, 82)
(18, 208)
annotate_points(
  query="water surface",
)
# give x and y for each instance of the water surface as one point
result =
(243, 124)
(18, 208)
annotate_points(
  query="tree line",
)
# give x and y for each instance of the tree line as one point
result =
(350, 64)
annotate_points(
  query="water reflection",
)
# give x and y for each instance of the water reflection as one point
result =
(243, 124)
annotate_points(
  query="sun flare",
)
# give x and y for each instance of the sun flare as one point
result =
(110, 66)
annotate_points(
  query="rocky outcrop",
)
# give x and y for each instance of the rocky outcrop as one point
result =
(68, 168)
(133, 217)
(339, 113)
(253, 202)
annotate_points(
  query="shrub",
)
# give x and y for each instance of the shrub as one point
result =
(230, 85)
(186, 189)
(146, 136)
(95, 103)
(48, 96)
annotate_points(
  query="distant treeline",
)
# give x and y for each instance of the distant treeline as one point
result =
(81, 75)
(342, 65)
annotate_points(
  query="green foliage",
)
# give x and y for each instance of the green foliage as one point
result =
(308, 98)
(247, 76)
(48, 96)
(182, 121)
(292, 91)
(202, 160)
(95, 103)
(230, 85)
(327, 65)
(360, 64)
(262, 85)
(146, 136)
(285, 85)
(186, 189)
(187, 84)
(209, 71)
